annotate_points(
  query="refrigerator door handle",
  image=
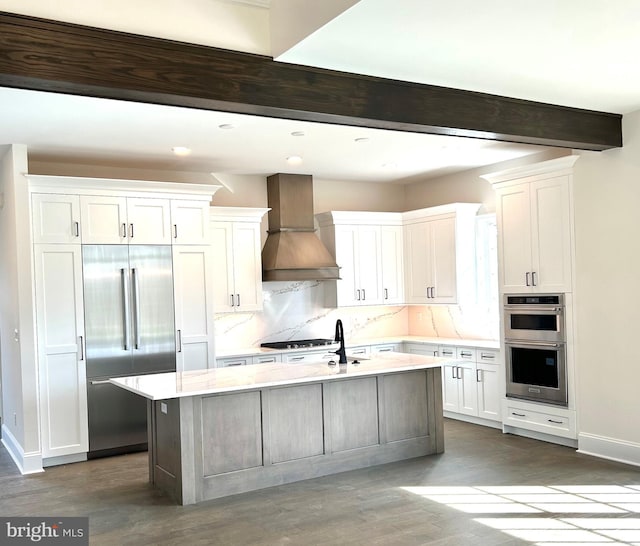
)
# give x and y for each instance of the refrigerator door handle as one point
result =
(125, 307)
(136, 307)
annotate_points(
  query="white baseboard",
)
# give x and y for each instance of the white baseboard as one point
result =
(534, 435)
(609, 448)
(472, 419)
(27, 463)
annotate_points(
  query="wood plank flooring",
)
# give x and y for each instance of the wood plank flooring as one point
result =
(366, 506)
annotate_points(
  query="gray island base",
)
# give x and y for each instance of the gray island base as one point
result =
(211, 439)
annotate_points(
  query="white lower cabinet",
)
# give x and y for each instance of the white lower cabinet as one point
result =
(193, 296)
(543, 418)
(471, 382)
(61, 364)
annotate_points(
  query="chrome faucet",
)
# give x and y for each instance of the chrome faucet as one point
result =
(340, 337)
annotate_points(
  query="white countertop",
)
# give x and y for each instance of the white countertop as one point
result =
(460, 342)
(238, 378)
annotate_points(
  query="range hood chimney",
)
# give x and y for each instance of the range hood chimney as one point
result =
(293, 251)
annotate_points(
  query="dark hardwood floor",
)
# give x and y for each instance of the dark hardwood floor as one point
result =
(374, 506)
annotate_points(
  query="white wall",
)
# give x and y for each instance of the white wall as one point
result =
(17, 323)
(607, 219)
(216, 23)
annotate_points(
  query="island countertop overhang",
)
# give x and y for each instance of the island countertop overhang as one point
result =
(165, 386)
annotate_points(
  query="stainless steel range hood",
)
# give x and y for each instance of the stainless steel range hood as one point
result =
(293, 251)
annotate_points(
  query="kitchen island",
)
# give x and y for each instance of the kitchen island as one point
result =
(224, 431)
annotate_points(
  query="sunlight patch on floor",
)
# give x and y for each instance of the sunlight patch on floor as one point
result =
(548, 506)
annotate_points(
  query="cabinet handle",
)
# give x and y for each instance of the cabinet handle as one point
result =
(435, 353)
(533, 279)
(364, 295)
(386, 294)
(76, 227)
(478, 376)
(124, 231)
(179, 341)
(527, 278)
(238, 300)
(175, 231)
(233, 301)
(296, 358)
(131, 231)
(358, 294)
(453, 373)
(238, 363)
(487, 356)
(81, 348)
(465, 354)
(555, 422)
(518, 414)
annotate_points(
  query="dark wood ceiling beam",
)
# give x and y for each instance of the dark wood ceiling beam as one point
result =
(60, 57)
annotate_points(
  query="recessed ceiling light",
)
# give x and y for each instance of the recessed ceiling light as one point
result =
(227, 126)
(294, 160)
(362, 139)
(181, 150)
(297, 133)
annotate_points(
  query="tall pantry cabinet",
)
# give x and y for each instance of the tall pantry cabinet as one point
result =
(67, 212)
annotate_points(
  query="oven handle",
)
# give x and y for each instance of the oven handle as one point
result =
(529, 309)
(517, 343)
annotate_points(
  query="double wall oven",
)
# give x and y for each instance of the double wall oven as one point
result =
(535, 348)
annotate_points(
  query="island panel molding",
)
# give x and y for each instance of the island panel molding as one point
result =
(48, 55)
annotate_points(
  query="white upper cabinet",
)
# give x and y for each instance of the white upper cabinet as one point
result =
(106, 211)
(440, 254)
(56, 218)
(237, 268)
(367, 246)
(534, 216)
(190, 222)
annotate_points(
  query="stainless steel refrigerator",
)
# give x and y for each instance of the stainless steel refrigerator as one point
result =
(129, 327)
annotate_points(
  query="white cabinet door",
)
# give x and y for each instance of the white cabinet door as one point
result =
(223, 287)
(467, 388)
(192, 278)
(418, 262)
(237, 270)
(347, 258)
(369, 265)
(450, 387)
(61, 364)
(514, 238)
(149, 221)
(534, 236)
(56, 218)
(247, 266)
(489, 395)
(104, 220)
(443, 261)
(190, 222)
(551, 235)
(392, 265)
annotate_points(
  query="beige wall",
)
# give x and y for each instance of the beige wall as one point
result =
(467, 186)
(607, 219)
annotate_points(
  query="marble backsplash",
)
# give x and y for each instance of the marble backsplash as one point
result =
(295, 310)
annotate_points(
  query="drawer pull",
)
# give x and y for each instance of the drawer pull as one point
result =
(555, 422)
(296, 358)
(518, 414)
(487, 356)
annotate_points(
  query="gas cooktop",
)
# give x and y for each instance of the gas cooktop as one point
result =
(297, 343)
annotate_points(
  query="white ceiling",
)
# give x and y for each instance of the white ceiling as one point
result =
(573, 52)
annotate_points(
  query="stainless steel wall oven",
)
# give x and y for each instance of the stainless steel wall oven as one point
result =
(535, 348)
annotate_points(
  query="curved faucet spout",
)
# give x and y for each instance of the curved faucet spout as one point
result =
(341, 352)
